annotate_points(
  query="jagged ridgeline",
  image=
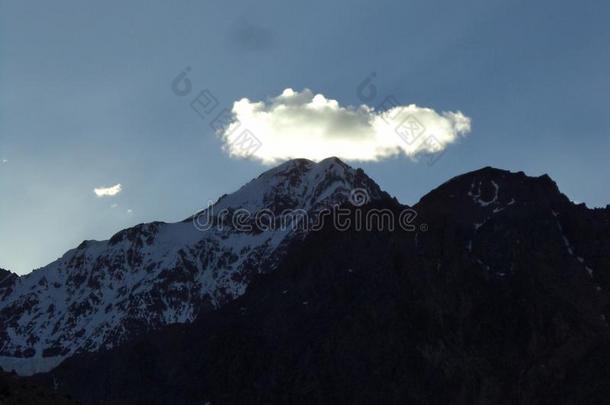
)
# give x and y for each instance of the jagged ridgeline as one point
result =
(497, 295)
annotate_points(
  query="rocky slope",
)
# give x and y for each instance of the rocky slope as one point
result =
(105, 292)
(7, 279)
(498, 296)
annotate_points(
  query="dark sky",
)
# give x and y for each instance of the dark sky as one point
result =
(86, 99)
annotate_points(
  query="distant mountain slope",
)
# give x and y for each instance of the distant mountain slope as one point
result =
(102, 293)
(500, 296)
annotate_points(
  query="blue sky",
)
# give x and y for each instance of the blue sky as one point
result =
(86, 100)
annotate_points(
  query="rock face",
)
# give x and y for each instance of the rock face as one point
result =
(498, 296)
(7, 280)
(104, 293)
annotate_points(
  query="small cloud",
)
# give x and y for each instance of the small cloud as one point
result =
(129, 211)
(307, 125)
(108, 191)
(4, 161)
(115, 205)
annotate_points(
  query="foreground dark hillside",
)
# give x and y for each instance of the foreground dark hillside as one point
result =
(499, 297)
(16, 391)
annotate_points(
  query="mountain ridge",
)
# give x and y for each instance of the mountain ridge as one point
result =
(490, 303)
(152, 293)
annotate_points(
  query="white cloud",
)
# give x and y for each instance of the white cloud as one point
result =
(108, 191)
(302, 124)
(115, 205)
(4, 161)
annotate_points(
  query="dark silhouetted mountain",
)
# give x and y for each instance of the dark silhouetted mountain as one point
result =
(16, 391)
(499, 295)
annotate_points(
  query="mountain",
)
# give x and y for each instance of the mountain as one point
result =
(498, 294)
(104, 293)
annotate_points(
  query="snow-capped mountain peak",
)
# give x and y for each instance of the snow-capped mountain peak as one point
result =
(102, 292)
(299, 183)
